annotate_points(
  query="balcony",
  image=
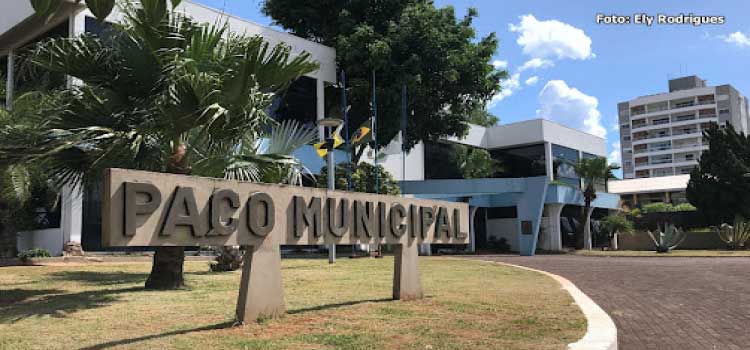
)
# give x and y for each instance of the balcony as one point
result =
(683, 104)
(688, 145)
(685, 132)
(660, 161)
(683, 118)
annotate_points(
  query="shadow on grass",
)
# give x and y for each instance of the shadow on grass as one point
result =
(56, 303)
(337, 305)
(100, 278)
(157, 336)
(12, 296)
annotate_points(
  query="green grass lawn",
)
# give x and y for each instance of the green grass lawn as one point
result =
(686, 253)
(469, 305)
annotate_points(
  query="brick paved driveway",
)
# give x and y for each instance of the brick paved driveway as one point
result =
(662, 303)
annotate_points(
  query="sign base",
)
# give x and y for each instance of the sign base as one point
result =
(261, 294)
(407, 284)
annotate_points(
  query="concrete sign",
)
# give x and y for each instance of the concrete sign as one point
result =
(156, 209)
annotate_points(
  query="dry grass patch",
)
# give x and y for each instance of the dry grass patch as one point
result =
(469, 305)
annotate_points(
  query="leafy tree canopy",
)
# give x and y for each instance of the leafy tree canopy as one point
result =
(719, 185)
(363, 179)
(447, 71)
(475, 163)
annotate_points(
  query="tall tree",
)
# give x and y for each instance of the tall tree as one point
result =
(719, 185)
(447, 71)
(593, 171)
(161, 93)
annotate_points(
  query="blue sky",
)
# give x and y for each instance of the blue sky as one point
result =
(572, 70)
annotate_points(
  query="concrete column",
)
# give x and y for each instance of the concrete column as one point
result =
(71, 221)
(548, 161)
(472, 229)
(10, 85)
(261, 292)
(553, 226)
(587, 230)
(407, 284)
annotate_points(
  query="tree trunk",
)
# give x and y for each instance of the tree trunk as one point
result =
(8, 241)
(613, 245)
(167, 267)
(580, 239)
(166, 271)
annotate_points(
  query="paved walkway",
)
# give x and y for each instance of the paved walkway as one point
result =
(662, 303)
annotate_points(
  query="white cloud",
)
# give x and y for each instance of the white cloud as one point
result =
(509, 86)
(615, 126)
(533, 80)
(536, 63)
(615, 156)
(737, 38)
(551, 39)
(570, 107)
(499, 64)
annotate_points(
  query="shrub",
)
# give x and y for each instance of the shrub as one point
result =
(34, 253)
(684, 207)
(667, 208)
(616, 223)
(657, 208)
(498, 245)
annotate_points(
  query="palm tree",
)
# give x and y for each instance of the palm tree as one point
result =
(160, 93)
(282, 167)
(591, 171)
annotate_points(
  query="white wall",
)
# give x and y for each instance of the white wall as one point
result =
(13, 13)
(507, 228)
(49, 239)
(394, 163)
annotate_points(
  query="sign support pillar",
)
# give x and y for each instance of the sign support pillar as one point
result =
(261, 293)
(407, 284)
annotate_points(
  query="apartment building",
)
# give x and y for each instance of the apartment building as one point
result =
(661, 134)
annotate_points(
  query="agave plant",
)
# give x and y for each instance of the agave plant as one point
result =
(735, 235)
(668, 238)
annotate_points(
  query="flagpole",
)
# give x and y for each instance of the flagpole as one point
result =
(345, 110)
(403, 136)
(375, 132)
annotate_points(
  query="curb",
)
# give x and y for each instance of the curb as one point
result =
(601, 333)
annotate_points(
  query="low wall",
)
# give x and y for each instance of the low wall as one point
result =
(694, 240)
(50, 239)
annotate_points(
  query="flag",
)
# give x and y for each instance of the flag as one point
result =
(322, 148)
(362, 135)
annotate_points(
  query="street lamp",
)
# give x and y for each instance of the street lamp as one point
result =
(330, 125)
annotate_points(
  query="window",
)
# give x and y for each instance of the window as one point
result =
(626, 138)
(523, 161)
(502, 213)
(297, 103)
(439, 162)
(563, 160)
